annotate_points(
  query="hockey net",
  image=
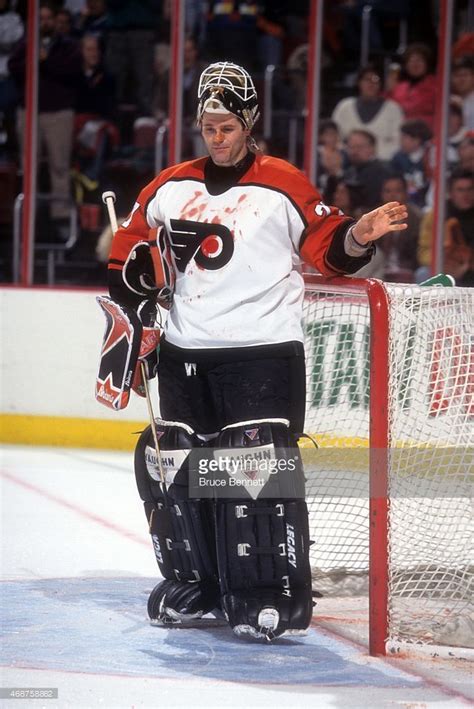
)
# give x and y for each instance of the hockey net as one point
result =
(390, 403)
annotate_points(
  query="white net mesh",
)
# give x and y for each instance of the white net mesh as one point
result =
(431, 464)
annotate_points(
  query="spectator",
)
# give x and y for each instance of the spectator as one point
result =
(463, 46)
(462, 85)
(11, 30)
(339, 195)
(271, 32)
(365, 172)
(63, 23)
(96, 92)
(195, 19)
(73, 6)
(192, 68)
(400, 248)
(466, 152)
(415, 91)
(459, 232)
(92, 18)
(372, 112)
(232, 32)
(296, 21)
(59, 71)
(162, 42)
(132, 27)
(331, 156)
(297, 66)
(411, 161)
(94, 130)
(456, 132)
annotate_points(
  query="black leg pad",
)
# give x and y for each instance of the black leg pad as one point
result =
(263, 554)
(263, 543)
(181, 528)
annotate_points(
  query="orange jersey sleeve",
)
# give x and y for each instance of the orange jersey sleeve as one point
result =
(321, 242)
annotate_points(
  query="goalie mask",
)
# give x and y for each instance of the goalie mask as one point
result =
(227, 88)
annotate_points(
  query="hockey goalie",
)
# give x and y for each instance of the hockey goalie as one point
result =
(228, 234)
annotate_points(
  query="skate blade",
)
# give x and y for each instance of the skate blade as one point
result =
(251, 634)
(180, 620)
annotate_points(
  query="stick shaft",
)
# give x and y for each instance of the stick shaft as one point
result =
(109, 200)
(152, 423)
(109, 203)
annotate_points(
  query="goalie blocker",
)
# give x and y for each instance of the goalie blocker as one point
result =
(142, 289)
(130, 338)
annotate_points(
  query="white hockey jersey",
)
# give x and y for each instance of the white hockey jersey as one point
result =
(237, 255)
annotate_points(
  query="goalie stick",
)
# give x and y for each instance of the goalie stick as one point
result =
(109, 200)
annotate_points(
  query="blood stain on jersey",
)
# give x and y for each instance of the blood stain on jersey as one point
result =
(195, 211)
(191, 201)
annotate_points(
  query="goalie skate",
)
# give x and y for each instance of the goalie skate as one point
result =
(174, 603)
(168, 617)
(268, 620)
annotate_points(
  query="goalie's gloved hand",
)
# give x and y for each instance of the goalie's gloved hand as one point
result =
(136, 280)
(138, 272)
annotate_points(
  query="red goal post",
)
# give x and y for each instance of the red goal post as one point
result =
(390, 371)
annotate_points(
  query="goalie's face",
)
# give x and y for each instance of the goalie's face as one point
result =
(225, 138)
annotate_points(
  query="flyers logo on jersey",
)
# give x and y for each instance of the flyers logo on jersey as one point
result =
(210, 245)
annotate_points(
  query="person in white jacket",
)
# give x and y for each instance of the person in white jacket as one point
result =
(372, 112)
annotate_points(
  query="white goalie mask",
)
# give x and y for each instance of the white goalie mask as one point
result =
(228, 88)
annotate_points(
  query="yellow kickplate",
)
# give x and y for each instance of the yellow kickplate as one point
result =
(69, 432)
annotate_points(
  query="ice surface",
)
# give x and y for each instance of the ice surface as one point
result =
(77, 568)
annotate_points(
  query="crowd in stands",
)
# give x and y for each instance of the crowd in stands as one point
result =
(104, 73)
